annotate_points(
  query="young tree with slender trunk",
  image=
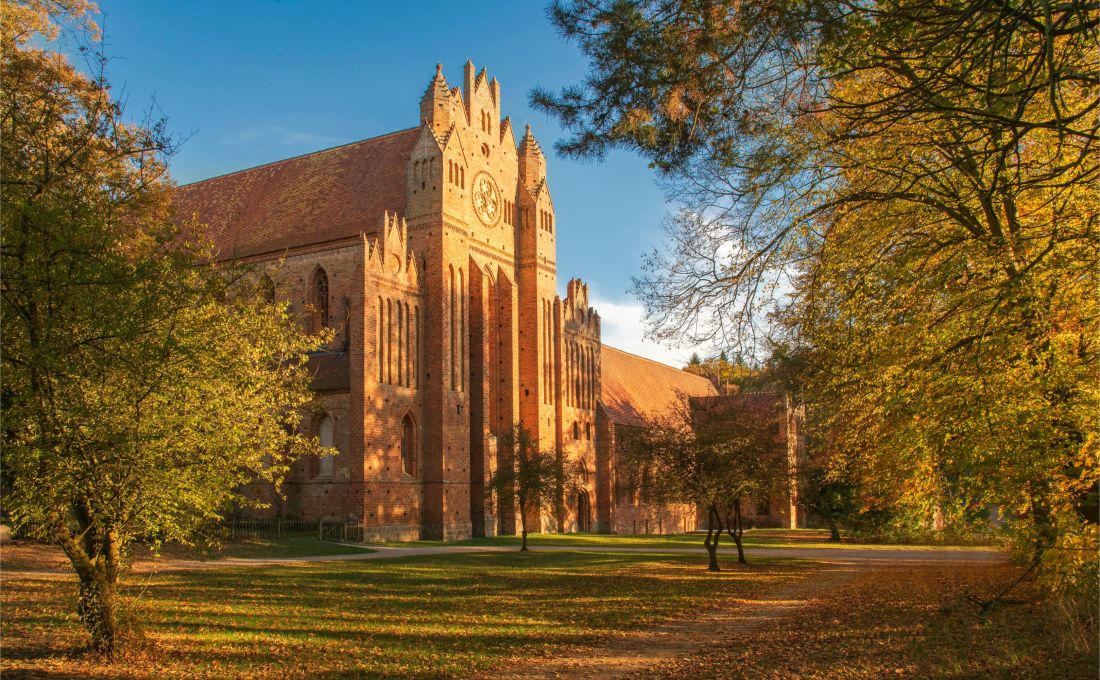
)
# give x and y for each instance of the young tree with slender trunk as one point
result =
(142, 385)
(713, 454)
(533, 478)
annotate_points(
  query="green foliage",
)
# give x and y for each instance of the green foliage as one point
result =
(728, 376)
(832, 499)
(531, 477)
(141, 390)
(906, 192)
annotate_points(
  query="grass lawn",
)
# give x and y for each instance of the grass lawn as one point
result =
(261, 548)
(445, 616)
(454, 615)
(774, 538)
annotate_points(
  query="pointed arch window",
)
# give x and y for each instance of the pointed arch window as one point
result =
(408, 446)
(451, 328)
(381, 342)
(461, 331)
(416, 347)
(389, 341)
(400, 343)
(319, 300)
(325, 434)
(409, 333)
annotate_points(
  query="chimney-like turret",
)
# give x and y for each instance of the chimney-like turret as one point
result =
(469, 76)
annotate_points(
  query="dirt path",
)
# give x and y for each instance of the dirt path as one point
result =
(636, 652)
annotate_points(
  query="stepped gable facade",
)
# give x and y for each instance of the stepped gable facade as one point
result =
(430, 253)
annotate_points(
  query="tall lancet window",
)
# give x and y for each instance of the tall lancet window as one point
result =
(451, 325)
(325, 435)
(408, 446)
(319, 300)
(461, 331)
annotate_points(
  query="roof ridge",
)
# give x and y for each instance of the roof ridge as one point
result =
(298, 157)
(654, 361)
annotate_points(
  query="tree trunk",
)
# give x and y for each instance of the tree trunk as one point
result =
(96, 564)
(714, 532)
(736, 529)
(559, 498)
(523, 527)
(834, 531)
(96, 608)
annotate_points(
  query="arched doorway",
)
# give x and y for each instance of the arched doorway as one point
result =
(584, 512)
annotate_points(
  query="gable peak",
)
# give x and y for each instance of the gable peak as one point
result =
(389, 251)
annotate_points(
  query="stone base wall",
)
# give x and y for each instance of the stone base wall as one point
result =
(448, 531)
(490, 525)
(392, 532)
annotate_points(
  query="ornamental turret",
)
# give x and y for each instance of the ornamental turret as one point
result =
(532, 162)
(435, 106)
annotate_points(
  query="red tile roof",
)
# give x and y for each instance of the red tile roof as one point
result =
(319, 197)
(635, 388)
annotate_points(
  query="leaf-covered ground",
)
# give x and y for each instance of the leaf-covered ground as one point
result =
(456, 615)
(447, 616)
(912, 621)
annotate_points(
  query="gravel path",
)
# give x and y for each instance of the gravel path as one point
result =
(846, 555)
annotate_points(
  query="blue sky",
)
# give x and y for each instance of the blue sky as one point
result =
(249, 82)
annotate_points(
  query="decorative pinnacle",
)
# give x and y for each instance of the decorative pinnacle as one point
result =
(438, 70)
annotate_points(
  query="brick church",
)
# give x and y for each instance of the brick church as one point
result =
(431, 254)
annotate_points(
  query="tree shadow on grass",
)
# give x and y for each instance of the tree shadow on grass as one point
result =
(444, 615)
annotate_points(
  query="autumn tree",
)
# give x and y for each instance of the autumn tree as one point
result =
(727, 376)
(142, 384)
(713, 454)
(830, 497)
(906, 191)
(530, 476)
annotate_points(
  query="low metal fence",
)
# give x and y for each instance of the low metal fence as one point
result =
(325, 530)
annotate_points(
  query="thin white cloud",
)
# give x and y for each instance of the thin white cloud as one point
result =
(621, 327)
(277, 134)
